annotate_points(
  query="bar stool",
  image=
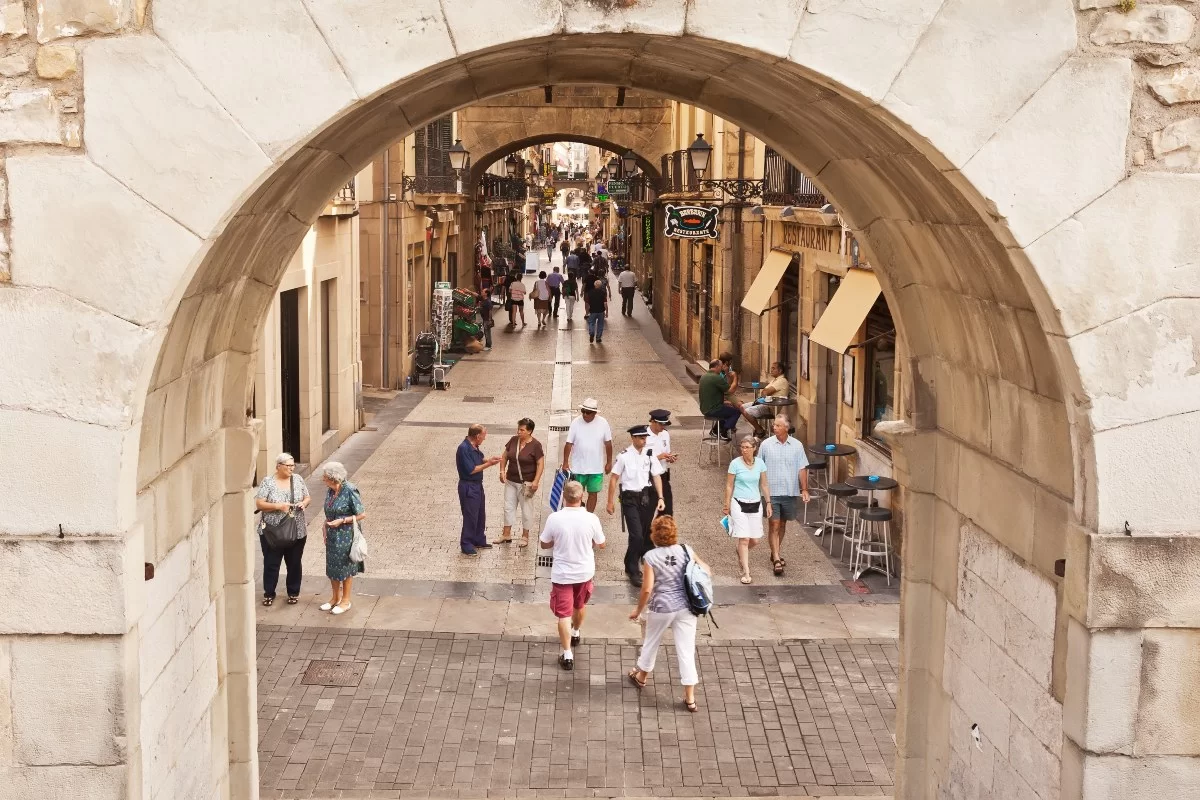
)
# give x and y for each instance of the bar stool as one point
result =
(816, 485)
(710, 448)
(874, 548)
(855, 506)
(838, 492)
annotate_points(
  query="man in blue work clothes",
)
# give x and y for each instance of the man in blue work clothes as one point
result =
(471, 464)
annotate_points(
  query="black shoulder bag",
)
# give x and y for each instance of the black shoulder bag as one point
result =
(286, 532)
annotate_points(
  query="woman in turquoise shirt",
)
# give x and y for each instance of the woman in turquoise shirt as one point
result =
(747, 495)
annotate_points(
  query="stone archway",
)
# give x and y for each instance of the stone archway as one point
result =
(991, 185)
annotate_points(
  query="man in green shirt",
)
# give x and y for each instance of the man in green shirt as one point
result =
(713, 405)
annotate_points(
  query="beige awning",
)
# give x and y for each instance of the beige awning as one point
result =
(766, 281)
(847, 310)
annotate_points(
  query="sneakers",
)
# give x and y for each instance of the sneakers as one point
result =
(484, 546)
(574, 638)
(472, 553)
(591, 339)
(567, 664)
(599, 340)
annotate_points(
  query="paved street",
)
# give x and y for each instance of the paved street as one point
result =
(442, 680)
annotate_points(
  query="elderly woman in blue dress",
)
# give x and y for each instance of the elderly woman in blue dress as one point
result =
(342, 507)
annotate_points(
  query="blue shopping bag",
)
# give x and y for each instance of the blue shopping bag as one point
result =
(556, 491)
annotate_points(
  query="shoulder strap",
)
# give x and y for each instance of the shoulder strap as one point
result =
(292, 486)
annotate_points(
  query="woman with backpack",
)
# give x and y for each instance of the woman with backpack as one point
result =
(664, 598)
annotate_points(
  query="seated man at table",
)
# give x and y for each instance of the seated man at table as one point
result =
(756, 413)
(713, 405)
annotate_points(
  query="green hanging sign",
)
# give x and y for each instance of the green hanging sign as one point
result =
(648, 233)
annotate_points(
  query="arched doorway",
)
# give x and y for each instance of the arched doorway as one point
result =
(1011, 456)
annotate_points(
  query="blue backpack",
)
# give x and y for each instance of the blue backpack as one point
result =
(698, 585)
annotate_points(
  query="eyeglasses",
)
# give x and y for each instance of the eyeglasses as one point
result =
(289, 466)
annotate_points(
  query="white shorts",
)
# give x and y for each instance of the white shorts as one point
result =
(743, 525)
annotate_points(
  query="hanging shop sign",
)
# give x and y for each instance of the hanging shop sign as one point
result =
(618, 188)
(692, 222)
(549, 195)
(648, 233)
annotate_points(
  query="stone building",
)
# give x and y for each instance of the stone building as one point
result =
(1021, 176)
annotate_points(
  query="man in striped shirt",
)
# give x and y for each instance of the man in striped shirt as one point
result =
(785, 459)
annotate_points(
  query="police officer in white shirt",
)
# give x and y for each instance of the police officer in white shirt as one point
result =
(658, 444)
(640, 477)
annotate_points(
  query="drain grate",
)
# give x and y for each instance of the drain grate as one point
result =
(545, 561)
(334, 673)
(857, 587)
(560, 428)
(479, 399)
(562, 362)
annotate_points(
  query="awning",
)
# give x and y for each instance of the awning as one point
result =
(847, 310)
(768, 278)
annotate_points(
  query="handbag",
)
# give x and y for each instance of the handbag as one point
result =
(358, 548)
(286, 532)
(526, 486)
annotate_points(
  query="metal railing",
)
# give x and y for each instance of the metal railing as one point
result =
(345, 195)
(494, 187)
(435, 184)
(784, 185)
(677, 173)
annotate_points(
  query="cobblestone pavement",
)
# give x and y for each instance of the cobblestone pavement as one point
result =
(453, 715)
(408, 483)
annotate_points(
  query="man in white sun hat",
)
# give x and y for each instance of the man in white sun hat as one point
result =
(588, 453)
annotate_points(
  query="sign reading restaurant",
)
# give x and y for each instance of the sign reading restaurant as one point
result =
(811, 237)
(691, 222)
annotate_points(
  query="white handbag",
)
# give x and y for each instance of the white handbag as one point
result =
(358, 549)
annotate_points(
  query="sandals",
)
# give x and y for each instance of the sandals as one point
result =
(291, 601)
(747, 579)
(524, 542)
(633, 679)
(690, 706)
(777, 565)
(503, 541)
(267, 601)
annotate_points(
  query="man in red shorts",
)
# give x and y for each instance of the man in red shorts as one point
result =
(574, 534)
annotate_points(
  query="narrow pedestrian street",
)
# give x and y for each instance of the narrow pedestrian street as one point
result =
(445, 681)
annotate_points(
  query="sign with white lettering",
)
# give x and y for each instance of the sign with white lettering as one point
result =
(691, 222)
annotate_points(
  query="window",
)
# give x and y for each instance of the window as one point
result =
(879, 361)
(326, 356)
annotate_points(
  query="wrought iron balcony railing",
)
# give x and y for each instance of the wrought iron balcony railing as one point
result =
(784, 185)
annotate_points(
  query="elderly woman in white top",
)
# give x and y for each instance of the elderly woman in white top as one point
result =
(279, 495)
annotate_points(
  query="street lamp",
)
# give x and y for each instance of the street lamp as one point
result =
(700, 153)
(602, 174)
(614, 167)
(629, 162)
(459, 156)
(510, 165)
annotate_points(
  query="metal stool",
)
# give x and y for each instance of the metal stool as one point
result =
(816, 486)
(854, 507)
(836, 493)
(872, 549)
(710, 448)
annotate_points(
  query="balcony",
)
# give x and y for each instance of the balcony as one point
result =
(678, 177)
(494, 188)
(784, 185)
(342, 204)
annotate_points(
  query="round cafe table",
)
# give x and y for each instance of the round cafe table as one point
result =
(865, 484)
(775, 404)
(829, 451)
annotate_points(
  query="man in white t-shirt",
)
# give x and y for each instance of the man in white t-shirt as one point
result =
(588, 453)
(574, 534)
(627, 283)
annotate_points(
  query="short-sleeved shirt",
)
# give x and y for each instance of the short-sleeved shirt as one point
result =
(668, 594)
(713, 388)
(516, 290)
(636, 470)
(572, 262)
(573, 530)
(746, 478)
(627, 279)
(272, 492)
(784, 461)
(570, 288)
(541, 289)
(659, 443)
(554, 279)
(467, 458)
(596, 299)
(779, 385)
(587, 445)
(531, 453)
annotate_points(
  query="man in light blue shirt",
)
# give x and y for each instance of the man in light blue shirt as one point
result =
(785, 459)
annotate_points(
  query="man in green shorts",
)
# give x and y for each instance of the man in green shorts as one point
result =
(588, 453)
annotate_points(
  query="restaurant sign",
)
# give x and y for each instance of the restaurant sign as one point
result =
(648, 233)
(618, 188)
(692, 222)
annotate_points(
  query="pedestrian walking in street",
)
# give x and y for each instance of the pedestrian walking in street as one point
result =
(785, 459)
(555, 280)
(714, 404)
(570, 291)
(549, 249)
(521, 466)
(627, 283)
(665, 603)
(597, 311)
(659, 445)
(746, 492)
(639, 476)
(757, 414)
(574, 534)
(571, 263)
(485, 314)
(541, 299)
(471, 464)
(516, 299)
(588, 452)
(343, 509)
(278, 496)
(565, 249)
